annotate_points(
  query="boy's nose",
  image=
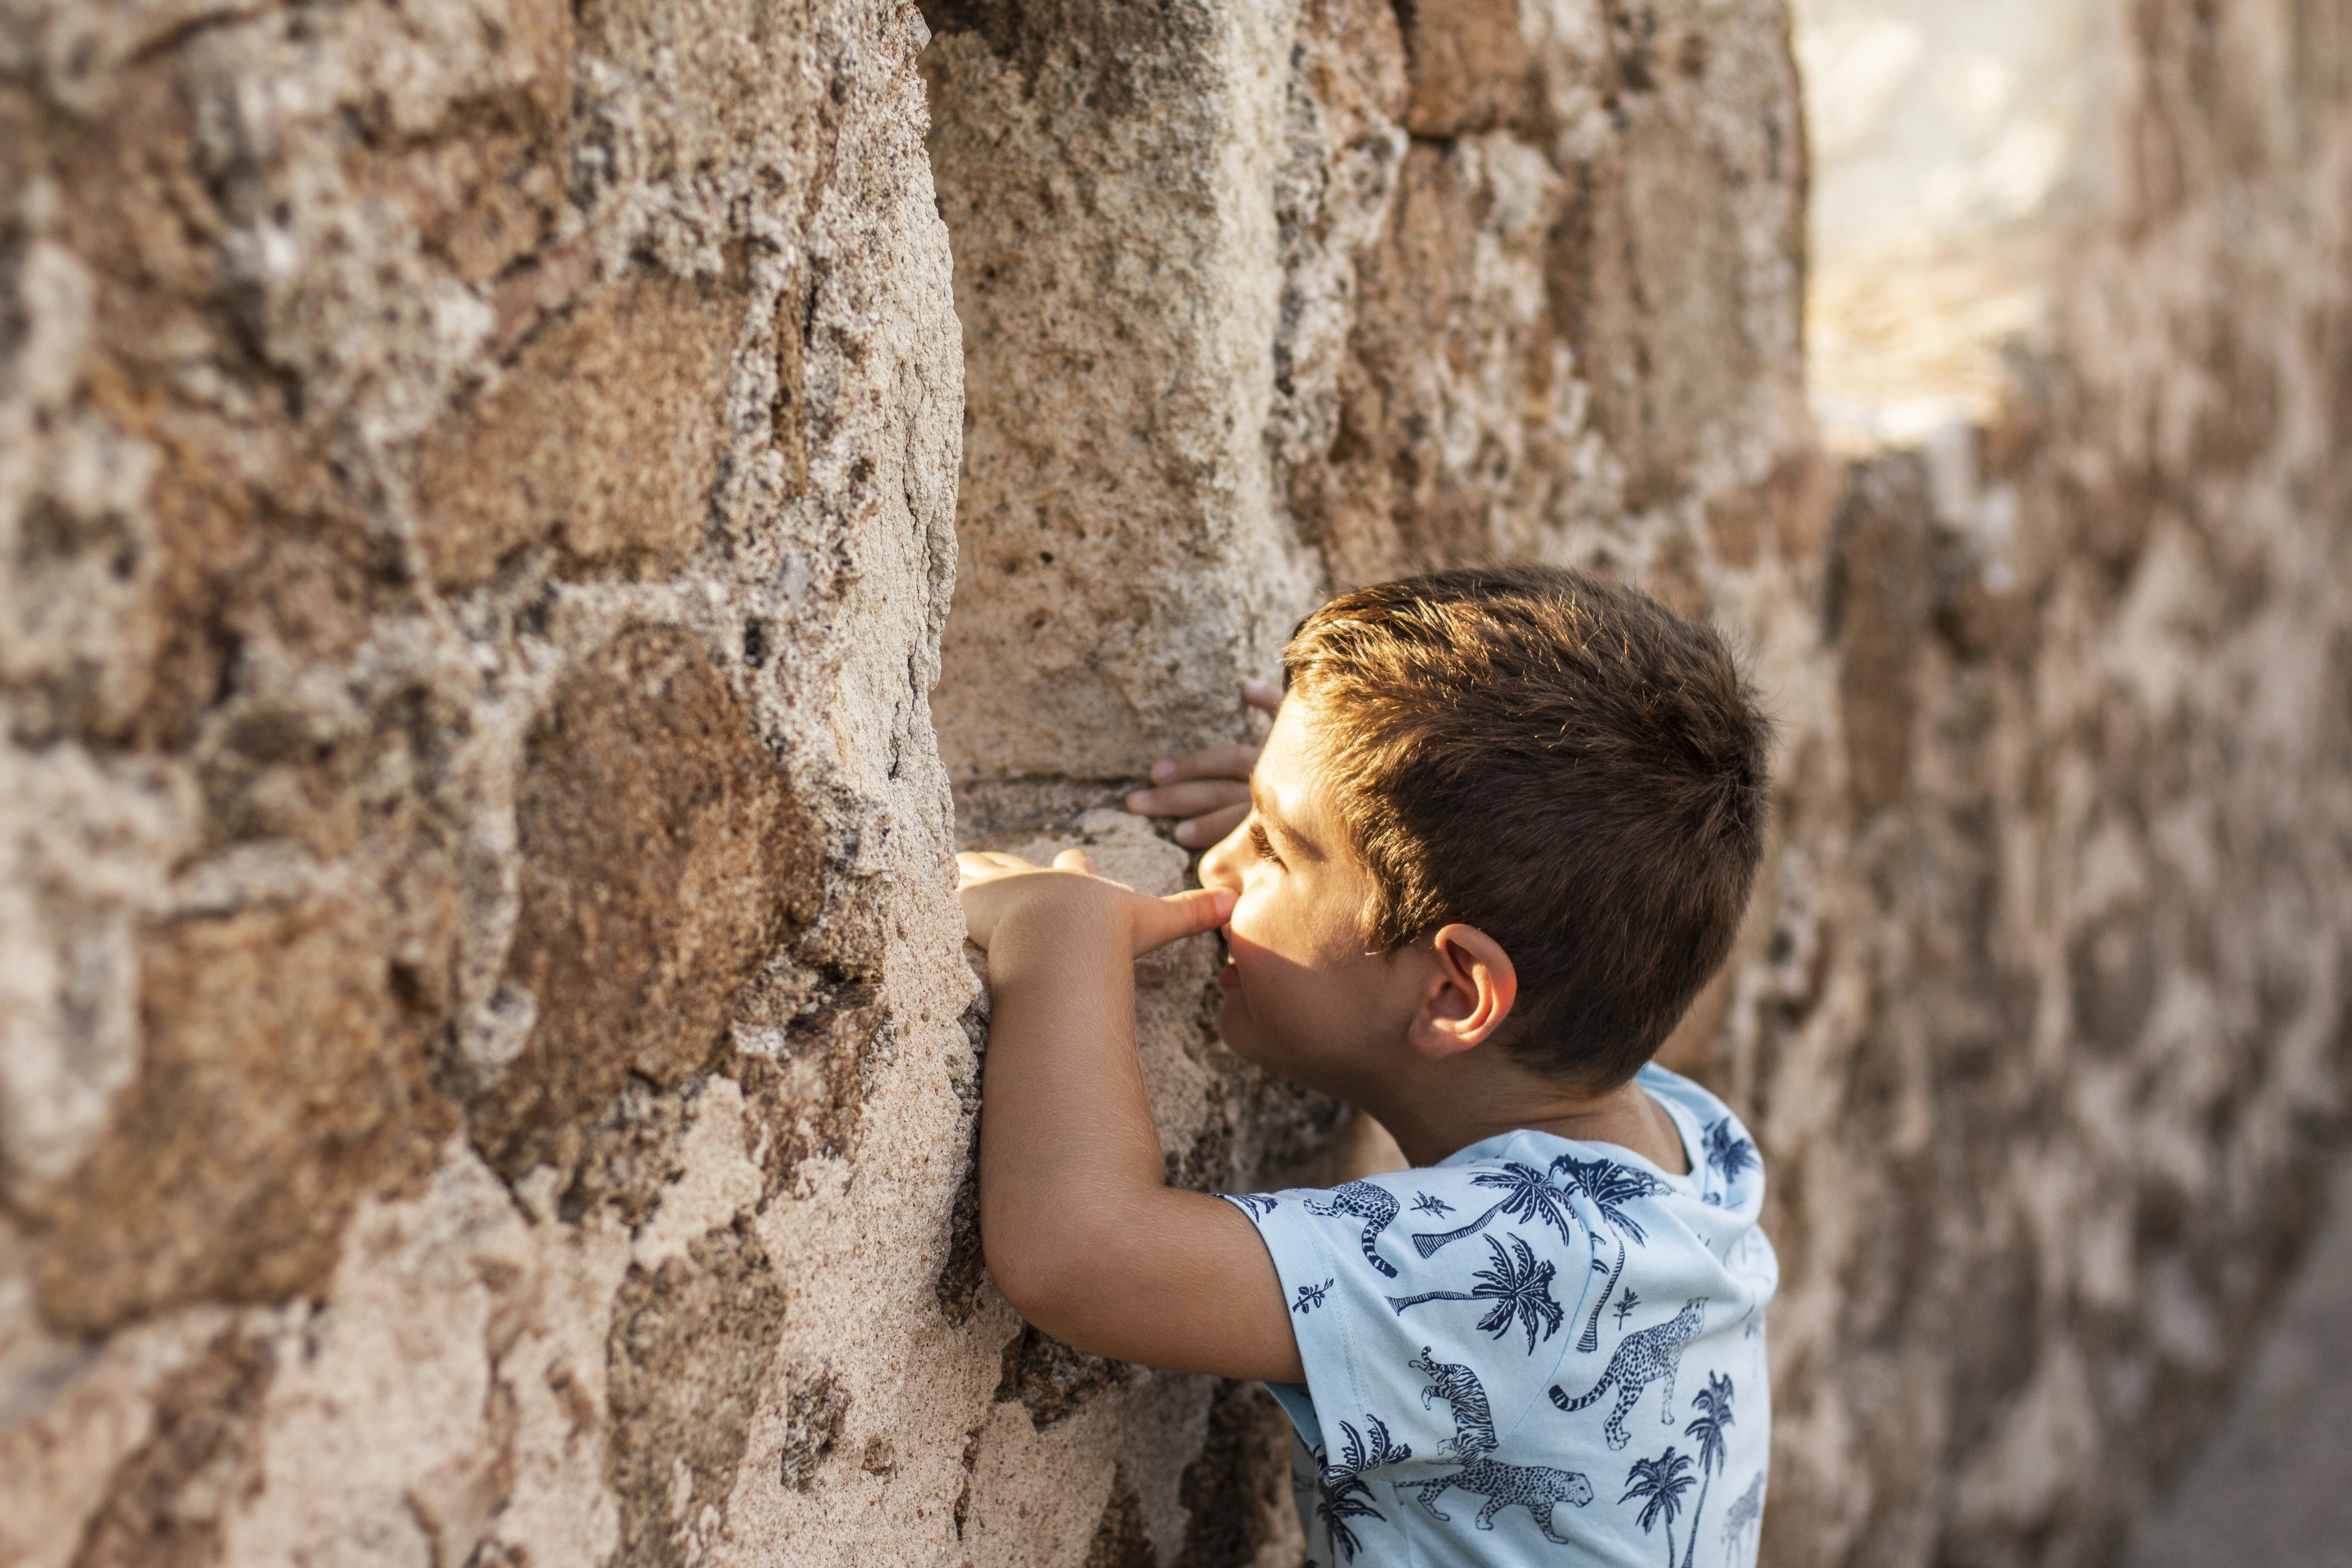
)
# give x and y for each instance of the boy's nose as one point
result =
(1217, 867)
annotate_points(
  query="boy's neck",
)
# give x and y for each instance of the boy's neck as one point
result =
(1430, 1120)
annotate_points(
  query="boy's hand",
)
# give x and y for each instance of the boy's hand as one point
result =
(997, 887)
(1209, 789)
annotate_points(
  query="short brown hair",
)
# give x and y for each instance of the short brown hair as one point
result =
(1561, 761)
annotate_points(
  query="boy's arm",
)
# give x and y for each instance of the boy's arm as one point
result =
(1082, 1232)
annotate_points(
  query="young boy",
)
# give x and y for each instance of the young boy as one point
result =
(1503, 829)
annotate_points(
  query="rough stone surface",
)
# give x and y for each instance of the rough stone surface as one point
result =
(278, 1085)
(603, 436)
(478, 965)
(661, 860)
(1109, 175)
(2078, 952)
(686, 1371)
(487, 1073)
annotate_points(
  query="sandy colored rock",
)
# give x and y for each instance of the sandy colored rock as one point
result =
(604, 436)
(688, 1368)
(281, 1081)
(1109, 183)
(164, 1504)
(662, 859)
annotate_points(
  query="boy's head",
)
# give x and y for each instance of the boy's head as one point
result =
(1549, 758)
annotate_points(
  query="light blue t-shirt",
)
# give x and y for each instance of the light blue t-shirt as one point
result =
(1534, 1343)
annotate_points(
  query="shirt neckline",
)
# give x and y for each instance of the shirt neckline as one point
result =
(1686, 1128)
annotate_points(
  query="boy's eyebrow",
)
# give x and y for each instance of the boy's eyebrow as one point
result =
(1273, 821)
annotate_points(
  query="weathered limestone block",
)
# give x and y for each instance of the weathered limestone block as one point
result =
(282, 1081)
(1578, 311)
(662, 859)
(604, 434)
(691, 1346)
(475, 507)
(1108, 174)
(171, 1492)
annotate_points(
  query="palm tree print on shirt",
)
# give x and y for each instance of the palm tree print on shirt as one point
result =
(1729, 1154)
(1341, 1496)
(1607, 1186)
(1659, 1483)
(1336, 1504)
(1518, 1285)
(1526, 1196)
(1626, 1302)
(1431, 1205)
(1713, 1403)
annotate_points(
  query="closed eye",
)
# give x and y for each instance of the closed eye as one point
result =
(1262, 844)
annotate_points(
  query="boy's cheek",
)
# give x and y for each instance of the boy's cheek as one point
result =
(1251, 927)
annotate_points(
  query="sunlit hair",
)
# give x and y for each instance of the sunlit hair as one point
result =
(1558, 761)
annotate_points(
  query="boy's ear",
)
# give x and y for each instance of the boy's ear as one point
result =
(1469, 992)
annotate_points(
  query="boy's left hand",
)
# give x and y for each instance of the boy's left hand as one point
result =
(1208, 789)
(997, 887)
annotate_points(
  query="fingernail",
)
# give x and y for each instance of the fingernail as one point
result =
(1162, 772)
(1224, 900)
(1138, 800)
(1185, 832)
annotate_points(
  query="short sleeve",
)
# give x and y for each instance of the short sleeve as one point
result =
(1428, 1315)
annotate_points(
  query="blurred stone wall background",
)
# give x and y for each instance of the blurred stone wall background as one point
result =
(485, 1069)
(1949, 178)
(2092, 691)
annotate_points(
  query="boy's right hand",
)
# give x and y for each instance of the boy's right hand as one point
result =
(994, 886)
(1209, 789)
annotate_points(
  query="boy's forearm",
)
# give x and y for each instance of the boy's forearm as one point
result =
(1067, 1146)
(1083, 1234)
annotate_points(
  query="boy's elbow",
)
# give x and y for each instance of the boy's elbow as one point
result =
(1020, 1277)
(1046, 1278)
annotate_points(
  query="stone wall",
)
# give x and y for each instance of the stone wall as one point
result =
(480, 971)
(485, 1069)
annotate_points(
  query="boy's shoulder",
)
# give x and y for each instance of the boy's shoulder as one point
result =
(1526, 1231)
(1528, 1213)
(1726, 1172)
(1520, 1310)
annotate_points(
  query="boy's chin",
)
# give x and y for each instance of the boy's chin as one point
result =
(1240, 1032)
(1248, 1041)
(1232, 1029)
